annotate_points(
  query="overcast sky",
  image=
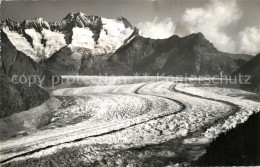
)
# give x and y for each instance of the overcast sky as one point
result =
(232, 26)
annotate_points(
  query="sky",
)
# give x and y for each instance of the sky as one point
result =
(231, 25)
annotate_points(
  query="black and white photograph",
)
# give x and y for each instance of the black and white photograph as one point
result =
(129, 83)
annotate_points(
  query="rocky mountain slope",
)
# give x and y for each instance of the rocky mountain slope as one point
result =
(92, 45)
(15, 62)
(191, 55)
(251, 68)
(18, 97)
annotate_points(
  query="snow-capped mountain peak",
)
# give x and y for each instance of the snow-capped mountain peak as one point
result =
(125, 21)
(37, 23)
(12, 25)
(40, 39)
(79, 20)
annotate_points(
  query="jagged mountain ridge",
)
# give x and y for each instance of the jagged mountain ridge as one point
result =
(92, 45)
(42, 39)
(191, 55)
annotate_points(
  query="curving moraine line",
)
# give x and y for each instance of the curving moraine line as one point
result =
(182, 108)
(235, 108)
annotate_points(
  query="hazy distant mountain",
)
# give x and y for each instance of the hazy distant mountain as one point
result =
(90, 45)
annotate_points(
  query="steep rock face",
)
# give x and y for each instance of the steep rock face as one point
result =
(19, 97)
(251, 68)
(80, 20)
(37, 23)
(10, 99)
(15, 62)
(77, 20)
(191, 55)
(63, 62)
(12, 25)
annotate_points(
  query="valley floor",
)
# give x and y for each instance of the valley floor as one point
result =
(139, 123)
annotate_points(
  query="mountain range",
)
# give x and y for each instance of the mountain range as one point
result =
(92, 45)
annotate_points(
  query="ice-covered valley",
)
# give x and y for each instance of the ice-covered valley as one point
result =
(125, 124)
